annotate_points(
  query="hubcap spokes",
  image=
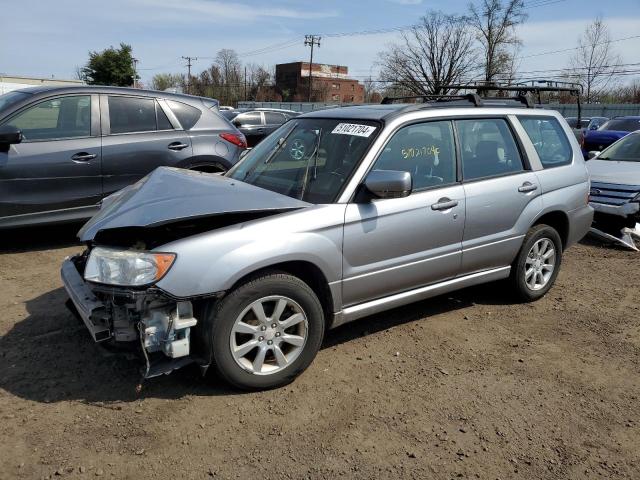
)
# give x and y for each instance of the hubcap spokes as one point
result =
(269, 335)
(540, 264)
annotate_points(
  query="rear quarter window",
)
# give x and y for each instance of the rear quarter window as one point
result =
(187, 115)
(549, 140)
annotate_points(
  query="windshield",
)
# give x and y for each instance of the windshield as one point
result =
(626, 150)
(11, 98)
(622, 124)
(308, 159)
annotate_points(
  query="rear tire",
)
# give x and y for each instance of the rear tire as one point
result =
(537, 265)
(266, 332)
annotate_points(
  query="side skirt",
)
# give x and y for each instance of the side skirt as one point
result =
(355, 312)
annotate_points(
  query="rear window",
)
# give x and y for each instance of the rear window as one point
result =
(187, 115)
(132, 114)
(549, 140)
(622, 124)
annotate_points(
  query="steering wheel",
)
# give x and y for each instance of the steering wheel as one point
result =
(297, 150)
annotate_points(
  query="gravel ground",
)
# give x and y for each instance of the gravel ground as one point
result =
(466, 385)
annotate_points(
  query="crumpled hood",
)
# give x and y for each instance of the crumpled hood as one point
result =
(171, 194)
(611, 171)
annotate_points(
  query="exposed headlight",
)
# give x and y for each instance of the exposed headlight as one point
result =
(126, 267)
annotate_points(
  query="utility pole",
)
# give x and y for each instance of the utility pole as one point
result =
(310, 41)
(135, 72)
(189, 60)
(245, 83)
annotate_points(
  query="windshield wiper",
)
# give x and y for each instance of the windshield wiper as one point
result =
(313, 156)
(282, 141)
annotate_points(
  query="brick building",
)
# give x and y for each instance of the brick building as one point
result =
(331, 83)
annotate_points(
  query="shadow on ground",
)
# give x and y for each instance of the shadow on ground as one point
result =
(31, 239)
(50, 357)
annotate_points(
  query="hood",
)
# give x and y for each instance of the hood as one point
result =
(611, 171)
(170, 195)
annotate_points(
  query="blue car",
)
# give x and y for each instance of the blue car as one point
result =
(610, 132)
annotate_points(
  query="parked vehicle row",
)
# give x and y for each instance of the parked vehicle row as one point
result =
(257, 124)
(337, 215)
(62, 150)
(609, 132)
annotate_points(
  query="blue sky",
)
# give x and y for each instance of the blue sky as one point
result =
(45, 38)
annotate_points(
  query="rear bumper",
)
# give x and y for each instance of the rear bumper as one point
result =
(580, 221)
(90, 309)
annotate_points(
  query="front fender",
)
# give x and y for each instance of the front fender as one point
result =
(214, 261)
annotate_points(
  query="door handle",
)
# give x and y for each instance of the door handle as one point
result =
(444, 204)
(527, 187)
(83, 157)
(177, 146)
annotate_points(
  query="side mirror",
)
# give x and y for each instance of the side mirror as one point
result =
(593, 154)
(388, 183)
(236, 123)
(594, 127)
(9, 136)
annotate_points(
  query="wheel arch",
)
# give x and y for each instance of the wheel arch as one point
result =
(306, 271)
(558, 220)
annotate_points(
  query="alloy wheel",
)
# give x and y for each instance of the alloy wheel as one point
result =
(540, 264)
(269, 335)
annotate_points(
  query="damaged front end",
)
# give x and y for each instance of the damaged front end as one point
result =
(146, 320)
(617, 213)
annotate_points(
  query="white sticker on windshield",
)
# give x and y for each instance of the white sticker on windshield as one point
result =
(353, 129)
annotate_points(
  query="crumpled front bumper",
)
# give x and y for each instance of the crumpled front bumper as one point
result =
(90, 309)
(624, 210)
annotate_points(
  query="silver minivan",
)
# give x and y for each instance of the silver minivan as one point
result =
(337, 215)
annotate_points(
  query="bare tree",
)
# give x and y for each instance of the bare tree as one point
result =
(433, 54)
(595, 63)
(163, 81)
(494, 23)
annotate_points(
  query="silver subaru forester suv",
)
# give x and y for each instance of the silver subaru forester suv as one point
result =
(337, 215)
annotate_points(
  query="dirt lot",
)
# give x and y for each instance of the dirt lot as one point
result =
(461, 386)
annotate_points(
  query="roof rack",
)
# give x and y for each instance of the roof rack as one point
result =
(522, 91)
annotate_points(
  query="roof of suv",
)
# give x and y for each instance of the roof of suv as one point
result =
(386, 111)
(43, 89)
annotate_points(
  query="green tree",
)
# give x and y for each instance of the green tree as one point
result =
(110, 67)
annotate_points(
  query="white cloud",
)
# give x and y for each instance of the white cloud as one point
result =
(211, 10)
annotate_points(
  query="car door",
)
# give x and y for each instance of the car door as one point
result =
(251, 124)
(138, 137)
(56, 168)
(399, 244)
(502, 193)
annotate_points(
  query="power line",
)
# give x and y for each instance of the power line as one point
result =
(577, 48)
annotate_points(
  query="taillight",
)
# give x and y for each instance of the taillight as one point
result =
(236, 138)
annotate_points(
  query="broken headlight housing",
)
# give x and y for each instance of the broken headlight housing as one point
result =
(131, 268)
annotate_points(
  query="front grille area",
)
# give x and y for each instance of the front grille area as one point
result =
(612, 194)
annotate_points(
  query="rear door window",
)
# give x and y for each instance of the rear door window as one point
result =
(272, 118)
(132, 114)
(56, 118)
(549, 140)
(488, 148)
(162, 120)
(187, 115)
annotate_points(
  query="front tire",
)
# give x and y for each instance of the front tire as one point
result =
(266, 332)
(536, 268)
